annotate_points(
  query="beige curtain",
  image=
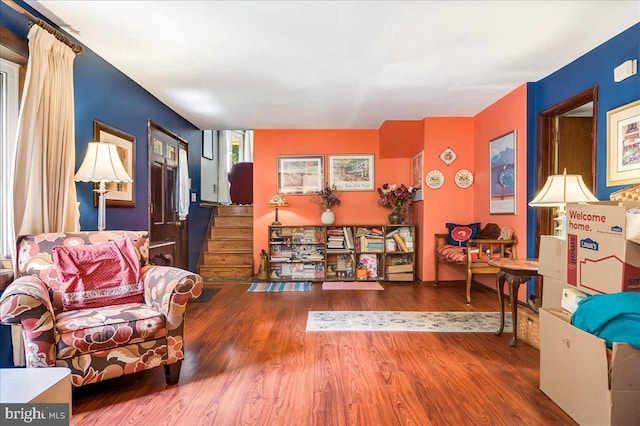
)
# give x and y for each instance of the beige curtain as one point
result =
(44, 193)
(44, 190)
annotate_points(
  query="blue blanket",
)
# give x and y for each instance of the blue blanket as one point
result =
(612, 317)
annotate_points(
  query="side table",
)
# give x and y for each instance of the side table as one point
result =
(515, 272)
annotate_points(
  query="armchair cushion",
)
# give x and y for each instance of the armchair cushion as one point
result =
(98, 275)
(460, 234)
(90, 330)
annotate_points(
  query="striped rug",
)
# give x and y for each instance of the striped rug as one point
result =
(280, 286)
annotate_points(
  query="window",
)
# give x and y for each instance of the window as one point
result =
(8, 126)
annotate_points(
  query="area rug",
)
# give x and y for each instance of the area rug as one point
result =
(280, 286)
(442, 322)
(351, 285)
(207, 294)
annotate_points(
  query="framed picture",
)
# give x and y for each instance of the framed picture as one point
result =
(417, 173)
(502, 174)
(119, 194)
(448, 156)
(207, 145)
(623, 145)
(300, 174)
(351, 172)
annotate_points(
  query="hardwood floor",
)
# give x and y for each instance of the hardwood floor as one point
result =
(249, 361)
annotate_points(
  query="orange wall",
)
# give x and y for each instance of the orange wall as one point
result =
(468, 136)
(355, 207)
(501, 117)
(400, 138)
(449, 203)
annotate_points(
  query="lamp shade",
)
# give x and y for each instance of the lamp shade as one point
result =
(102, 164)
(277, 200)
(559, 190)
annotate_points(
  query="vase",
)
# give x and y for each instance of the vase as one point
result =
(327, 217)
(395, 218)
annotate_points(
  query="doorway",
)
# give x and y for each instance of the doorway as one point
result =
(566, 140)
(168, 198)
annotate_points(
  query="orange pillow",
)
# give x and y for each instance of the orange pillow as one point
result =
(98, 275)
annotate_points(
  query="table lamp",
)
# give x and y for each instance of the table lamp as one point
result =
(559, 190)
(276, 201)
(102, 164)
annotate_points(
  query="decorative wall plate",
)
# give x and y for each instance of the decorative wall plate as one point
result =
(448, 156)
(463, 178)
(434, 179)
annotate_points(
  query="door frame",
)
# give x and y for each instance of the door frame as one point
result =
(545, 147)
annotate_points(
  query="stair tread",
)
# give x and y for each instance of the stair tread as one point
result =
(232, 237)
(213, 268)
(224, 251)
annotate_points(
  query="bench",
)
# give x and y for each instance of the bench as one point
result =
(474, 258)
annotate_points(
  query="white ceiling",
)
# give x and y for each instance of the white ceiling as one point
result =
(336, 64)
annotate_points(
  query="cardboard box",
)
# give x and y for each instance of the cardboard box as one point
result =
(552, 292)
(599, 257)
(552, 257)
(601, 218)
(393, 269)
(403, 276)
(574, 373)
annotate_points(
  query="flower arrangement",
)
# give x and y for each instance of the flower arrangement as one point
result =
(396, 198)
(327, 198)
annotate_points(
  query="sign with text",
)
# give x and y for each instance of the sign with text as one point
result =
(50, 414)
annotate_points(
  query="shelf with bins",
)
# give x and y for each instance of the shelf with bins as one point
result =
(333, 252)
(297, 253)
(340, 260)
(399, 257)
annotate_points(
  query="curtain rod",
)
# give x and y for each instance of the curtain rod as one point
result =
(34, 20)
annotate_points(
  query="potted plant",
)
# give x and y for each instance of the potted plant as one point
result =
(326, 199)
(397, 198)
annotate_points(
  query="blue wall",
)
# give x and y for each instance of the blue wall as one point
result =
(105, 94)
(593, 68)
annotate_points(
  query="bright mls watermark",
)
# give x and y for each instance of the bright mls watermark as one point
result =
(34, 414)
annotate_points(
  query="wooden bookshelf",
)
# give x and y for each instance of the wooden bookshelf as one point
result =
(334, 252)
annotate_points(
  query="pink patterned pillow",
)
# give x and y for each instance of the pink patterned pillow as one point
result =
(98, 275)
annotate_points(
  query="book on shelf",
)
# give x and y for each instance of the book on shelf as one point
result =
(348, 238)
(401, 243)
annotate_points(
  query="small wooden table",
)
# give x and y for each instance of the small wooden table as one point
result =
(516, 272)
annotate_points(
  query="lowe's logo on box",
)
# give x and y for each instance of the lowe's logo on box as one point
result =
(617, 229)
(589, 244)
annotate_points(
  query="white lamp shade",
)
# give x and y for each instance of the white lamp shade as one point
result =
(102, 164)
(559, 190)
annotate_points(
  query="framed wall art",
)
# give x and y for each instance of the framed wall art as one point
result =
(299, 175)
(502, 177)
(120, 194)
(207, 145)
(351, 172)
(448, 156)
(417, 173)
(623, 145)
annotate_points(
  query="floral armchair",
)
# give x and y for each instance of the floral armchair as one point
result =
(98, 343)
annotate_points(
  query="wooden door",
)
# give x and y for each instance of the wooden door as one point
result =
(550, 149)
(575, 149)
(167, 230)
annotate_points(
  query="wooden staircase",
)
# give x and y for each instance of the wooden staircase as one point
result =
(228, 254)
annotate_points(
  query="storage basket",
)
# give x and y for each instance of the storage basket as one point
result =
(529, 327)
(631, 193)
